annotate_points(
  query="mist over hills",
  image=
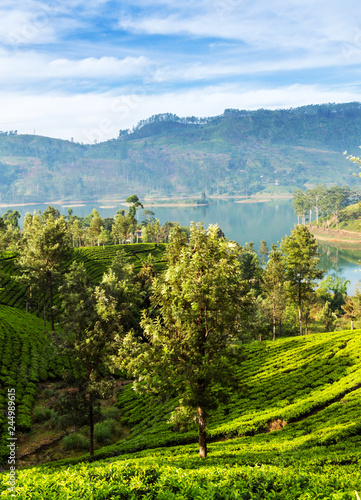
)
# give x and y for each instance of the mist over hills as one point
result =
(237, 153)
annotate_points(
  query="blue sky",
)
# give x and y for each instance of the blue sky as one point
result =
(88, 68)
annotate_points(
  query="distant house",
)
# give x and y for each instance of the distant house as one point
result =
(137, 234)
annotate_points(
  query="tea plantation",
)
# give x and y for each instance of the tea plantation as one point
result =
(96, 260)
(307, 390)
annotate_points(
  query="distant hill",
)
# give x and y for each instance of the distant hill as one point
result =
(237, 153)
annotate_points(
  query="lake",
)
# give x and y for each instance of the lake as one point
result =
(241, 222)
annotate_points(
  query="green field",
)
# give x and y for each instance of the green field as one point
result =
(306, 389)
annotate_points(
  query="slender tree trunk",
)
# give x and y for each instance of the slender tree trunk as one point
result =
(50, 280)
(317, 216)
(310, 217)
(44, 312)
(91, 427)
(280, 328)
(201, 418)
(300, 319)
(274, 324)
(352, 324)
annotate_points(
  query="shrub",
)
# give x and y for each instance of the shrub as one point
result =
(110, 412)
(104, 431)
(75, 441)
(42, 414)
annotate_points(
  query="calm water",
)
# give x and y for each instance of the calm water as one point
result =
(242, 222)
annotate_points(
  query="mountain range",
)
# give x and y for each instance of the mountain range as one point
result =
(237, 153)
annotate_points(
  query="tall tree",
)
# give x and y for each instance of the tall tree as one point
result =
(135, 204)
(273, 279)
(96, 226)
(93, 322)
(45, 248)
(199, 301)
(263, 250)
(301, 260)
(300, 204)
(336, 198)
(316, 197)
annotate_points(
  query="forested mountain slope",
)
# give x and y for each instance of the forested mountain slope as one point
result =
(238, 152)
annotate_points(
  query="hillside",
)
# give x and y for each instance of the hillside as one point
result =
(237, 153)
(291, 432)
(96, 261)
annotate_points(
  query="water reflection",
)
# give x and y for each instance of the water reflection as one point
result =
(343, 263)
(241, 222)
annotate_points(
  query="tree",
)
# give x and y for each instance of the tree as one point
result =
(44, 250)
(316, 197)
(333, 290)
(301, 260)
(300, 204)
(327, 317)
(94, 320)
(273, 279)
(123, 227)
(199, 302)
(250, 267)
(96, 226)
(263, 250)
(337, 198)
(151, 232)
(135, 205)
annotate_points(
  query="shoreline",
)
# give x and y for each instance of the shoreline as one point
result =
(332, 235)
(154, 202)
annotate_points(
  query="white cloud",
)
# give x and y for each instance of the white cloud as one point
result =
(100, 116)
(282, 24)
(21, 27)
(29, 67)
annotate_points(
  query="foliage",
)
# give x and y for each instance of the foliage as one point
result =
(92, 321)
(300, 261)
(311, 383)
(44, 250)
(334, 291)
(199, 302)
(25, 360)
(75, 441)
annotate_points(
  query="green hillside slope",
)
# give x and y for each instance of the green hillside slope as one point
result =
(25, 360)
(305, 389)
(238, 152)
(96, 260)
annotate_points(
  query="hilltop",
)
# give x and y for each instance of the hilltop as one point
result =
(237, 153)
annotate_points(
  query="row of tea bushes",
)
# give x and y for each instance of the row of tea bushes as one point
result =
(178, 473)
(275, 385)
(25, 359)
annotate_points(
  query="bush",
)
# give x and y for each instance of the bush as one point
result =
(111, 412)
(75, 441)
(42, 414)
(104, 431)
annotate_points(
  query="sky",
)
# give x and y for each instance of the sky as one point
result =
(85, 69)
